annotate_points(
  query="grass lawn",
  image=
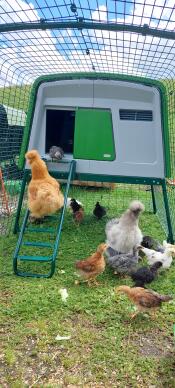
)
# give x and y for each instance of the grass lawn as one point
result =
(106, 347)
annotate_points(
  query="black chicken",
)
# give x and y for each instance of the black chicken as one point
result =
(99, 211)
(150, 243)
(77, 209)
(145, 274)
(75, 206)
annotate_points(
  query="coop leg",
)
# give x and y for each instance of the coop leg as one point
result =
(167, 210)
(153, 200)
(16, 226)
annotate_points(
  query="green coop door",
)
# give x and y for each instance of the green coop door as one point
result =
(93, 136)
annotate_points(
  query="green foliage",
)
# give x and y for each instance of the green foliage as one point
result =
(15, 96)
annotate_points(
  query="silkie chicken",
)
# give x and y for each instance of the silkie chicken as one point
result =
(124, 234)
(144, 299)
(145, 275)
(165, 257)
(44, 195)
(56, 153)
(123, 263)
(150, 243)
(77, 210)
(93, 266)
(111, 223)
(99, 211)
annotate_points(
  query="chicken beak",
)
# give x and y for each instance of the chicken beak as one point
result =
(105, 248)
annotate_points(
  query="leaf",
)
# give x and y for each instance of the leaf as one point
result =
(62, 338)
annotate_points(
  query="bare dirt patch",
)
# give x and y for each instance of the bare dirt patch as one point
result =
(40, 359)
(156, 344)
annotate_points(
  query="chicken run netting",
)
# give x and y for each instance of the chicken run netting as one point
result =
(40, 37)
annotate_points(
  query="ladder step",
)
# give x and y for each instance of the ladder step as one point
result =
(35, 258)
(38, 244)
(52, 218)
(40, 230)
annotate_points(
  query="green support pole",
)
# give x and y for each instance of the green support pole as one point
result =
(81, 24)
(167, 210)
(15, 258)
(16, 226)
(153, 200)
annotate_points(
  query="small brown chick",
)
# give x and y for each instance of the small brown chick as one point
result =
(144, 299)
(93, 266)
(79, 215)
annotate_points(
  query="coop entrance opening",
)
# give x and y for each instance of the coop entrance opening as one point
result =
(60, 129)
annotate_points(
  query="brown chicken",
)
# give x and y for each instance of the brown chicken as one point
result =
(144, 299)
(93, 266)
(44, 195)
(78, 216)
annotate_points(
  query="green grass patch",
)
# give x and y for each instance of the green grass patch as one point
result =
(106, 347)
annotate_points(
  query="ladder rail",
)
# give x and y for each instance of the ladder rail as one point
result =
(59, 228)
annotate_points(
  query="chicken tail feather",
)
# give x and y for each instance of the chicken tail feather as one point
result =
(166, 298)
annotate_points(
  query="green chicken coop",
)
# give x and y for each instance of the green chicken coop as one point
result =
(99, 82)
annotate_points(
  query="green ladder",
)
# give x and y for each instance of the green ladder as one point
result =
(24, 228)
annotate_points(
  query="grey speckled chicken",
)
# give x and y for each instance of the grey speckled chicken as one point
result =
(56, 153)
(122, 263)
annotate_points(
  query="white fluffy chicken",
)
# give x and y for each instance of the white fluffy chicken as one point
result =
(123, 234)
(165, 244)
(166, 257)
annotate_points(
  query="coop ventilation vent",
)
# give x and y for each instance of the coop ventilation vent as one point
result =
(136, 115)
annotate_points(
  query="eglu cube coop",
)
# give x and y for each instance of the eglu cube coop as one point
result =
(98, 81)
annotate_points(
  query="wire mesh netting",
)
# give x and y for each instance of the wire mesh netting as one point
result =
(105, 36)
